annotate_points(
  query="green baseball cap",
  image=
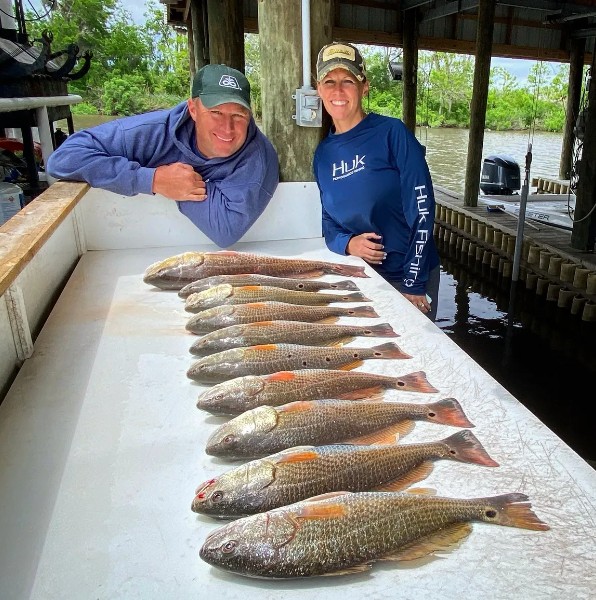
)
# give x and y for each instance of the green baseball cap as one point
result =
(218, 84)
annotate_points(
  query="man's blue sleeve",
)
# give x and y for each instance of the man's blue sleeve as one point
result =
(98, 157)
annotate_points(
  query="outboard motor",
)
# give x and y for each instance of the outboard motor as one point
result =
(500, 175)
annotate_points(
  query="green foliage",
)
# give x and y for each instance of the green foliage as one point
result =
(136, 68)
(84, 108)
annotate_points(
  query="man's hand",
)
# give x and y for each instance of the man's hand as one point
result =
(365, 247)
(179, 181)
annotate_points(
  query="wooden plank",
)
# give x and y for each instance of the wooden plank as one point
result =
(25, 233)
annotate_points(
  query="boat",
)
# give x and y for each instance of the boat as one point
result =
(556, 210)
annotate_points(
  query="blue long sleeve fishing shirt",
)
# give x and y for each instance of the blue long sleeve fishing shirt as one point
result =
(374, 178)
(122, 155)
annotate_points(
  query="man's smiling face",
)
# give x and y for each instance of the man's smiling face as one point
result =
(221, 130)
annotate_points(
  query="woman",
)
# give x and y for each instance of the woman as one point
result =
(376, 190)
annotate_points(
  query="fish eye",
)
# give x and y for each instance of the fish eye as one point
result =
(217, 496)
(228, 439)
(229, 546)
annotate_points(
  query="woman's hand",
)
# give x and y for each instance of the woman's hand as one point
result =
(420, 302)
(365, 247)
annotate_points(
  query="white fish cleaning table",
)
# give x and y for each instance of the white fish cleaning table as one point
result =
(102, 447)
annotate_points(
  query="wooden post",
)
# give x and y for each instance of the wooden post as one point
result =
(484, 42)
(191, 51)
(198, 15)
(226, 32)
(576, 64)
(584, 232)
(280, 39)
(410, 74)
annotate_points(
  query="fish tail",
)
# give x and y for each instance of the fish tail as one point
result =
(347, 270)
(381, 330)
(448, 412)
(346, 284)
(389, 350)
(414, 382)
(362, 311)
(512, 510)
(465, 447)
(356, 297)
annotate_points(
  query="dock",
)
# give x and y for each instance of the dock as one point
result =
(549, 264)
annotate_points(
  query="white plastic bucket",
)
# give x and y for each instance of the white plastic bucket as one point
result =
(11, 200)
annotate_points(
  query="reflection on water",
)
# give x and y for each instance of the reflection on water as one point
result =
(446, 152)
(540, 353)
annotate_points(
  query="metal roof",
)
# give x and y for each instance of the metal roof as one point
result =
(532, 29)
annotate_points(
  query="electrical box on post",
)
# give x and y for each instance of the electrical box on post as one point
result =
(309, 109)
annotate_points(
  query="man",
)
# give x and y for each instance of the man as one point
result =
(206, 153)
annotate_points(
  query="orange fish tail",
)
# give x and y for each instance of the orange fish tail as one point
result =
(514, 510)
(381, 330)
(448, 412)
(465, 447)
(414, 382)
(389, 350)
(363, 311)
(346, 270)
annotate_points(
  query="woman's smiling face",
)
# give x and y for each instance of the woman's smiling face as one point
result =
(342, 96)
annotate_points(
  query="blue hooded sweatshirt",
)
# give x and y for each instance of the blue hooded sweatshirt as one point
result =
(122, 155)
(374, 178)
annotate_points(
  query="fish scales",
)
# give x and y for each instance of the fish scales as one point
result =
(228, 294)
(268, 429)
(345, 533)
(301, 472)
(176, 271)
(270, 358)
(244, 393)
(223, 316)
(278, 332)
(242, 279)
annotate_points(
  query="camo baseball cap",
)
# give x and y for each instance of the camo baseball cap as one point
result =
(218, 84)
(340, 56)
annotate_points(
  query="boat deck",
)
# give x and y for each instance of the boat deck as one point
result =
(554, 239)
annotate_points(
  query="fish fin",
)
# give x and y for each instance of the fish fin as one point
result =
(422, 471)
(444, 540)
(371, 393)
(314, 274)
(389, 350)
(381, 330)
(341, 342)
(281, 376)
(346, 270)
(327, 495)
(419, 491)
(265, 347)
(448, 412)
(465, 447)
(513, 510)
(389, 435)
(314, 510)
(352, 365)
(362, 311)
(296, 406)
(328, 320)
(414, 382)
(298, 454)
(357, 569)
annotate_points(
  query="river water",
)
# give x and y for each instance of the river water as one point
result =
(541, 354)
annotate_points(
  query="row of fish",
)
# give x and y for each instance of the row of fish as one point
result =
(324, 491)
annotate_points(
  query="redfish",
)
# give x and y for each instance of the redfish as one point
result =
(228, 294)
(223, 316)
(270, 358)
(299, 285)
(268, 429)
(289, 332)
(305, 471)
(175, 272)
(342, 532)
(243, 393)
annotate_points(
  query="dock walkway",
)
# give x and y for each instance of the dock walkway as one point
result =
(549, 264)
